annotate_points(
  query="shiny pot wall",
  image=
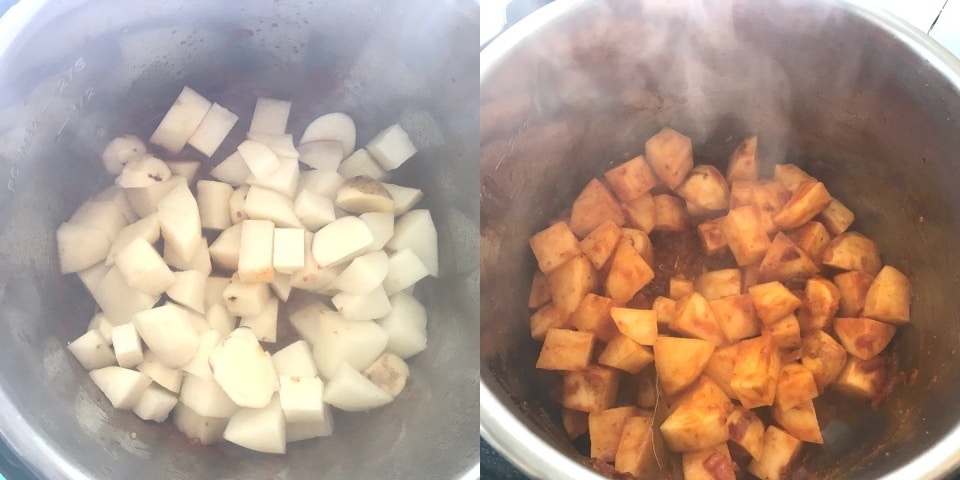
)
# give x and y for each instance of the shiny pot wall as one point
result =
(856, 97)
(73, 74)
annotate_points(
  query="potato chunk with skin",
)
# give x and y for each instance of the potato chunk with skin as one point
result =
(600, 243)
(671, 217)
(631, 179)
(852, 287)
(629, 273)
(641, 212)
(862, 337)
(773, 301)
(785, 332)
(635, 454)
(593, 206)
(565, 350)
(795, 386)
(837, 217)
(786, 262)
(779, 451)
(593, 315)
(679, 361)
(821, 299)
(745, 235)
(699, 419)
(605, 429)
(546, 318)
(624, 354)
(539, 291)
(570, 282)
(641, 243)
(852, 251)
(756, 372)
(670, 154)
(736, 316)
(743, 161)
(706, 188)
(799, 421)
(712, 463)
(638, 325)
(719, 283)
(862, 378)
(808, 200)
(574, 422)
(888, 298)
(746, 430)
(711, 236)
(695, 318)
(554, 246)
(791, 176)
(823, 356)
(592, 389)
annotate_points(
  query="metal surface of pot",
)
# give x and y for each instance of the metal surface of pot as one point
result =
(73, 74)
(858, 98)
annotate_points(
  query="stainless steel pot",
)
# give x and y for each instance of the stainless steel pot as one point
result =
(857, 97)
(75, 73)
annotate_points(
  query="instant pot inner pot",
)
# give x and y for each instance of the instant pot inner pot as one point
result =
(823, 88)
(81, 73)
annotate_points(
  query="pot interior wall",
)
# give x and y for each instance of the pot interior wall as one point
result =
(821, 87)
(84, 72)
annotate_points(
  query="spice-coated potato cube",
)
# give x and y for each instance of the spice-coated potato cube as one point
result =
(554, 246)
(746, 430)
(593, 315)
(592, 389)
(791, 176)
(795, 386)
(808, 200)
(641, 212)
(539, 291)
(743, 161)
(546, 318)
(565, 350)
(862, 378)
(837, 217)
(631, 179)
(635, 454)
(736, 316)
(786, 262)
(852, 286)
(629, 273)
(780, 449)
(694, 318)
(823, 356)
(712, 463)
(719, 283)
(670, 154)
(745, 235)
(638, 325)
(574, 422)
(799, 421)
(600, 243)
(593, 206)
(863, 338)
(852, 251)
(624, 354)
(773, 301)
(756, 372)
(888, 297)
(699, 419)
(821, 299)
(570, 282)
(680, 287)
(605, 429)
(705, 188)
(671, 215)
(679, 361)
(711, 236)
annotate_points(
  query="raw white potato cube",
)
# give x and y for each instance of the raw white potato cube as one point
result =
(406, 326)
(265, 204)
(301, 399)
(206, 398)
(270, 116)
(332, 126)
(188, 169)
(219, 320)
(264, 324)
(288, 249)
(280, 286)
(281, 144)
(415, 230)
(259, 429)
(92, 275)
(179, 218)
(306, 320)
(340, 241)
(123, 387)
(144, 200)
(169, 333)
(120, 301)
(389, 372)
(244, 299)
(126, 345)
(143, 171)
(80, 247)
(181, 121)
(199, 365)
(308, 430)
(213, 201)
(338, 340)
(406, 269)
(284, 181)
(362, 163)
(92, 351)
(232, 170)
(155, 404)
(404, 198)
(321, 182)
(213, 294)
(143, 268)
(225, 250)
(256, 251)
(213, 129)
(363, 274)
(106, 216)
(199, 322)
(237, 212)
(295, 360)
(259, 158)
(350, 391)
(189, 290)
(362, 194)
(200, 261)
(313, 210)
(199, 429)
(321, 154)
(166, 377)
(381, 226)
(121, 150)
(147, 228)
(391, 147)
(367, 306)
(102, 324)
(312, 278)
(115, 195)
(244, 370)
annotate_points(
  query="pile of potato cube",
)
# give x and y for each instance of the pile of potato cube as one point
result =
(807, 306)
(189, 273)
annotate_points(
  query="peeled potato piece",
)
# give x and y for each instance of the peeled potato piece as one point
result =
(244, 370)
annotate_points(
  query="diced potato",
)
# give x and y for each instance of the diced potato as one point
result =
(264, 204)
(791, 176)
(695, 318)
(625, 354)
(785, 332)
(245, 298)
(340, 241)
(647, 392)
(779, 451)
(641, 212)
(213, 129)
(770, 198)
(812, 238)
(92, 350)
(546, 318)
(705, 188)
(255, 262)
(631, 179)
(181, 121)
(225, 250)
(736, 316)
(719, 283)
(670, 154)
(786, 262)
(359, 162)
(593, 206)
(143, 268)
(80, 247)
(635, 454)
(264, 324)
(773, 301)
(638, 325)
(629, 273)
(821, 299)
(679, 361)
(741, 193)
(332, 126)
(123, 387)
(745, 235)
(720, 368)
(574, 422)
(233, 170)
(699, 419)
(605, 428)
(711, 236)
(270, 116)
(862, 378)
(289, 251)
(852, 287)
(565, 350)
(888, 298)
(680, 287)
(593, 315)
(666, 309)
(671, 216)
(795, 386)
(837, 217)
(743, 161)
(863, 338)
(641, 243)
(597, 246)
(592, 389)
(799, 421)
(756, 372)
(746, 430)
(852, 251)
(750, 275)
(391, 147)
(823, 356)
(570, 282)
(808, 200)
(713, 463)
(126, 345)
(168, 333)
